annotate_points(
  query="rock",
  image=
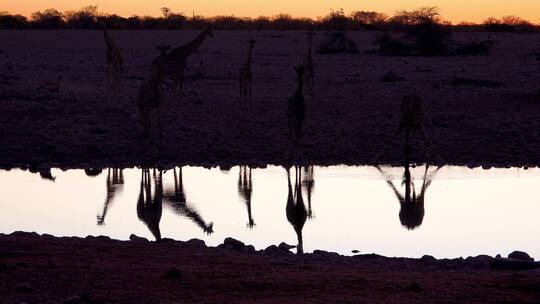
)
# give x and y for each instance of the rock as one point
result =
(173, 274)
(520, 255)
(23, 288)
(325, 254)
(272, 249)
(428, 259)
(285, 247)
(248, 249)
(230, 243)
(355, 251)
(137, 239)
(414, 287)
(512, 264)
(196, 243)
(166, 241)
(98, 238)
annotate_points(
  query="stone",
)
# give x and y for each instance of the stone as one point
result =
(285, 247)
(137, 239)
(196, 243)
(230, 243)
(512, 264)
(520, 255)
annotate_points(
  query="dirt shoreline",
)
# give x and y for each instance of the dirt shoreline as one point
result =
(47, 269)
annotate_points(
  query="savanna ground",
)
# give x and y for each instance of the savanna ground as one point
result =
(90, 124)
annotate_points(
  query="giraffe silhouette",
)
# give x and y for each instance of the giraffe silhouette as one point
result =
(245, 76)
(115, 184)
(150, 95)
(296, 110)
(245, 189)
(175, 199)
(412, 117)
(309, 77)
(296, 210)
(149, 205)
(114, 57)
(175, 61)
(411, 213)
(309, 184)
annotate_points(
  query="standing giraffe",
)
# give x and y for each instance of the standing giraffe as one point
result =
(309, 81)
(296, 210)
(175, 61)
(245, 76)
(150, 95)
(114, 57)
(411, 123)
(296, 110)
(245, 189)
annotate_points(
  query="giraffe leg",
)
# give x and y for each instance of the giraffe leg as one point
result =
(250, 87)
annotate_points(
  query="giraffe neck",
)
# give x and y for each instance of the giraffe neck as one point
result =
(250, 52)
(194, 45)
(309, 48)
(108, 40)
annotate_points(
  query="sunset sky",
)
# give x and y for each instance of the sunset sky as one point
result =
(454, 10)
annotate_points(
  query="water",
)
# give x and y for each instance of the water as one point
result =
(466, 211)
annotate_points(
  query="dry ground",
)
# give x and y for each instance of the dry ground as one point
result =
(90, 124)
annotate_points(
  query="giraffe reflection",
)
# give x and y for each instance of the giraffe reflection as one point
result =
(296, 210)
(176, 200)
(245, 189)
(149, 206)
(411, 214)
(115, 184)
(309, 185)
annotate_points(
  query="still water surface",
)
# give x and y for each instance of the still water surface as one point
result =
(450, 212)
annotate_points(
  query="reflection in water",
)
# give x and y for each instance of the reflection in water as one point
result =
(296, 210)
(149, 207)
(163, 201)
(309, 185)
(245, 189)
(115, 183)
(176, 200)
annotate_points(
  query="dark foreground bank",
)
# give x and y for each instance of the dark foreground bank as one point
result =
(45, 269)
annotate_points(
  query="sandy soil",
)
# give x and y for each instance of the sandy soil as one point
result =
(44, 269)
(89, 124)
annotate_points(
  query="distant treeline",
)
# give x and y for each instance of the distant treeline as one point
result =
(89, 18)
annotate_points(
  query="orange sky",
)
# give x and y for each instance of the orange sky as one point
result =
(454, 10)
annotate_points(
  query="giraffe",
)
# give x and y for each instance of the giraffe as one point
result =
(309, 184)
(245, 76)
(114, 185)
(149, 206)
(411, 123)
(150, 95)
(245, 189)
(175, 61)
(296, 210)
(309, 81)
(296, 110)
(176, 200)
(114, 57)
(411, 213)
